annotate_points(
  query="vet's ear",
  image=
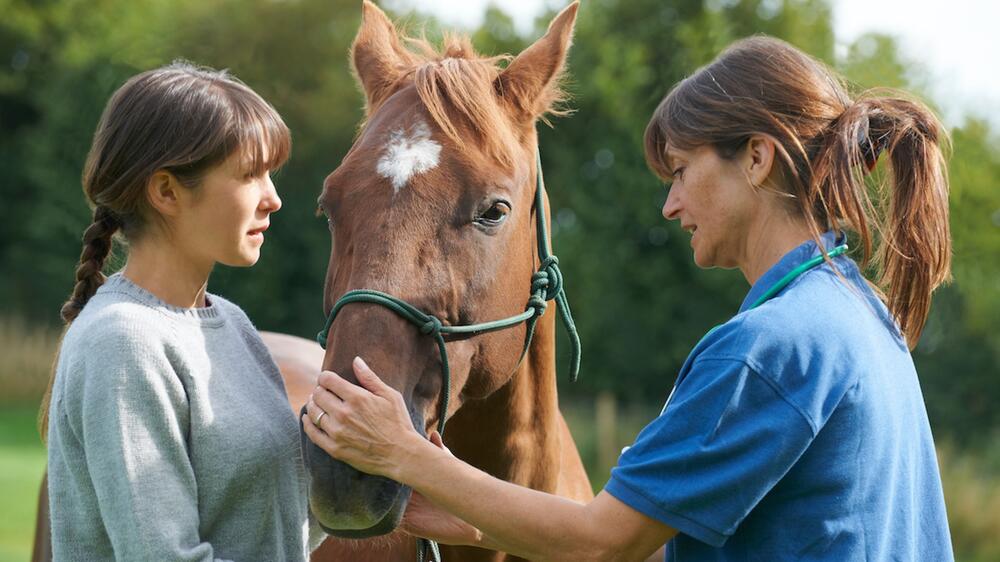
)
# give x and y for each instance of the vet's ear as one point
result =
(759, 159)
(530, 84)
(377, 56)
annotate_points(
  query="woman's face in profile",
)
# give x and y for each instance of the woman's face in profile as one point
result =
(225, 220)
(714, 202)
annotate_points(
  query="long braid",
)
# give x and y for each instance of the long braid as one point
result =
(96, 248)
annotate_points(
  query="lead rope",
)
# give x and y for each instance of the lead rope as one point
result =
(546, 285)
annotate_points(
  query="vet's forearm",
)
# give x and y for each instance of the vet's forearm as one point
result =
(513, 519)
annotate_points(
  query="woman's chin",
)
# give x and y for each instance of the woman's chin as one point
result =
(700, 259)
(244, 259)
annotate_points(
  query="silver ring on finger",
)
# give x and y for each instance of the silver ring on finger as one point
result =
(319, 417)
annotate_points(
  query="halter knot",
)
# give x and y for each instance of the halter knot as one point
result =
(431, 327)
(539, 303)
(548, 277)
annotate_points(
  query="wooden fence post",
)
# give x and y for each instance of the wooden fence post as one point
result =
(607, 431)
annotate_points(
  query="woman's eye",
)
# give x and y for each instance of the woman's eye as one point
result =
(678, 173)
(496, 214)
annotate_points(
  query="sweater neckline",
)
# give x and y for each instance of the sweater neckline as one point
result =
(118, 283)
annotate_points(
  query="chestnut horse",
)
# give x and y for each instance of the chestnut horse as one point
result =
(434, 204)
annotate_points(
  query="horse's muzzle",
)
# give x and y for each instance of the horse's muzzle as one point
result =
(348, 503)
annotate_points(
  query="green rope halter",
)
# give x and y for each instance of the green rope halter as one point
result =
(546, 285)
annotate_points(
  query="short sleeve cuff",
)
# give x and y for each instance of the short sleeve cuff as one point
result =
(642, 504)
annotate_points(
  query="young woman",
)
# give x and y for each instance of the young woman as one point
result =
(796, 430)
(169, 433)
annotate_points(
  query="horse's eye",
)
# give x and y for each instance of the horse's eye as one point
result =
(495, 215)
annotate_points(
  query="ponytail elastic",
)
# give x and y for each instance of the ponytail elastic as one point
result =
(870, 148)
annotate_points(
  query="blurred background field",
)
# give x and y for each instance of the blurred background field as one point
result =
(639, 301)
(601, 427)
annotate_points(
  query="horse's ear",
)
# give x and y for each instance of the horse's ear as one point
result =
(530, 84)
(378, 56)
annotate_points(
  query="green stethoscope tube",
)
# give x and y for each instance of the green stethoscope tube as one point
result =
(774, 290)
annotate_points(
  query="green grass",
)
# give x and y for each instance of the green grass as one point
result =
(25, 364)
(22, 462)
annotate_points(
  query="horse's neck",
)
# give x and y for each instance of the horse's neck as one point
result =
(514, 433)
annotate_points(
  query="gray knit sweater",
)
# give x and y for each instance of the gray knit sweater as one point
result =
(171, 438)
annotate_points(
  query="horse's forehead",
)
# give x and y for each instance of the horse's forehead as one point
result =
(408, 151)
(401, 142)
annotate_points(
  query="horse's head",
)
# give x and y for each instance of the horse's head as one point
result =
(434, 204)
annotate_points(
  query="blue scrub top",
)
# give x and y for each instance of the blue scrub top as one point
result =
(796, 431)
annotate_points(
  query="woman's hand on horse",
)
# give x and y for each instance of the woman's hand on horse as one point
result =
(365, 425)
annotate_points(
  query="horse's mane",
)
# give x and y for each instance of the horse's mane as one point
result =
(460, 90)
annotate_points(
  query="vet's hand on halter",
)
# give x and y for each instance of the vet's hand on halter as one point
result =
(366, 426)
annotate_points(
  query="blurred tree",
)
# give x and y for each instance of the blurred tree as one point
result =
(640, 302)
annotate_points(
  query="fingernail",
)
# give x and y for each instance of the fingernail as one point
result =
(359, 361)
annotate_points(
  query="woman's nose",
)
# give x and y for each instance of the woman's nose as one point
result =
(671, 207)
(271, 201)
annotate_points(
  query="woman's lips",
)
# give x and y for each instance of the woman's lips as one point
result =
(258, 233)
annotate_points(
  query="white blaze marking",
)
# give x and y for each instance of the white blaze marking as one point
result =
(407, 156)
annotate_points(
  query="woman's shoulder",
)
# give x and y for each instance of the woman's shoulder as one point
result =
(114, 346)
(112, 317)
(820, 305)
(824, 322)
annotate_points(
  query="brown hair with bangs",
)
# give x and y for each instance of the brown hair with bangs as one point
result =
(826, 143)
(180, 118)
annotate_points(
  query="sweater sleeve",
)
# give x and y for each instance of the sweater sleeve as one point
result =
(133, 422)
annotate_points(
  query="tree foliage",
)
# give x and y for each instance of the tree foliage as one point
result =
(640, 302)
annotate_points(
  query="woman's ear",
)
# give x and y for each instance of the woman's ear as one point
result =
(759, 159)
(164, 193)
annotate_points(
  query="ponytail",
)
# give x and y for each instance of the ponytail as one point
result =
(904, 230)
(97, 240)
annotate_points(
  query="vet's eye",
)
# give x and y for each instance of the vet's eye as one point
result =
(678, 173)
(495, 214)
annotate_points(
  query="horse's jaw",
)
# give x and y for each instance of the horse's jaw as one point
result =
(348, 503)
